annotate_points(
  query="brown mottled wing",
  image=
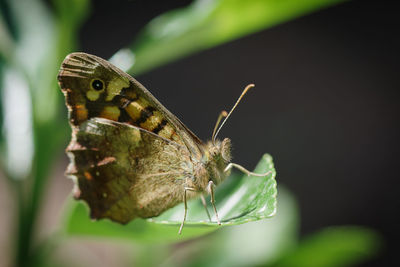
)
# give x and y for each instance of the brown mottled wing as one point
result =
(93, 87)
(124, 172)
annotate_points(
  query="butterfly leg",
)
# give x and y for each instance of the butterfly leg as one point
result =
(203, 200)
(211, 186)
(241, 168)
(185, 202)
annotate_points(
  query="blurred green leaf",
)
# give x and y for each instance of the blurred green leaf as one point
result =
(334, 246)
(205, 24)
(1, 114)
(250, 244)
(70, 14)
(251, 199)
(17, 127)
(6, 41)
(31, 101)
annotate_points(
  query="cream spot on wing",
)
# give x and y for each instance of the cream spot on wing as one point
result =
(152, 122)
(110, 112)
(135, 108)
(115, 86)
(106, 161)
(166, 132)
(92, 95)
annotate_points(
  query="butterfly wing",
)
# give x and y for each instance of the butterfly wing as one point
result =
(124, 172)
(95, 88)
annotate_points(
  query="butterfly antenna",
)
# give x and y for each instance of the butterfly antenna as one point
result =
(223, 114)
(214, 136)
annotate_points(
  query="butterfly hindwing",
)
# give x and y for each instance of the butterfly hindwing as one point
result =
(138, 174)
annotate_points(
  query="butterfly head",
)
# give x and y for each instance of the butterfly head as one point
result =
(219, 157)
(220, 152)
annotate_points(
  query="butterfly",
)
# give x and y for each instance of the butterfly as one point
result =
(129, 156)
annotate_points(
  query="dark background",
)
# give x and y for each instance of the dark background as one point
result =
(326, 103)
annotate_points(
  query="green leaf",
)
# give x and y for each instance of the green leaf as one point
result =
(205, 24)
(240, 201)
(334, 246)
(250, 244)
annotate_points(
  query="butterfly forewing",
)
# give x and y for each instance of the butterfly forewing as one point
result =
(95, 88)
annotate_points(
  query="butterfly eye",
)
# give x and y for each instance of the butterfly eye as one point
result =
(226, 149)
(97, 84)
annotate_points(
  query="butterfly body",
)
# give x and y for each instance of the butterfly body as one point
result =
(131, 157)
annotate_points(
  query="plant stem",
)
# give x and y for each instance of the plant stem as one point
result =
(29, 201)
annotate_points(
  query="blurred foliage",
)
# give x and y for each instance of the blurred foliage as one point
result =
(34, 40)
(35, 37)
(333, 246)
(207, 23)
